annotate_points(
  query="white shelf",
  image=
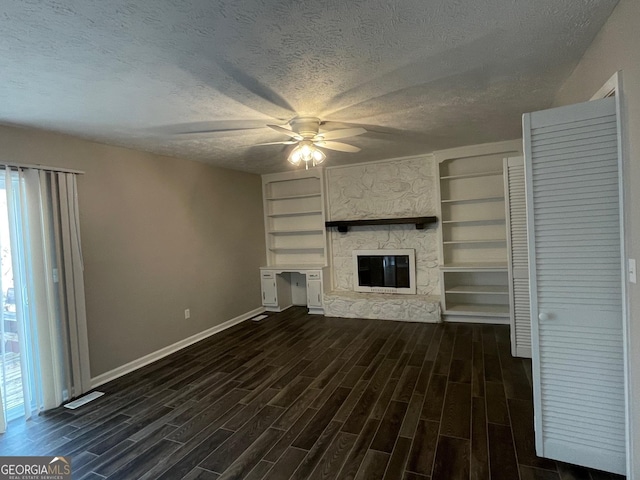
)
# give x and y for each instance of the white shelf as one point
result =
(297, 249)
(288, 267)
(302, 231)
(459, 242)
(474, 266)
(471, 223)
(479, 289)
(492, 173)
(294, 214)
(481, 310)
(292, 197)
(473, 200)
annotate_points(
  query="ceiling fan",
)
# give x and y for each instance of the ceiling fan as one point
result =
(305, 134)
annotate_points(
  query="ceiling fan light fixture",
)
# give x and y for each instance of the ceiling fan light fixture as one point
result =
(306, 152)
(295, 157)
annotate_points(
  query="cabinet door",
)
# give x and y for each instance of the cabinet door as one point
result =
(314, 290)
(269, 292)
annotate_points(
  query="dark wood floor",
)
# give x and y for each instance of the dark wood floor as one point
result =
(306, 397)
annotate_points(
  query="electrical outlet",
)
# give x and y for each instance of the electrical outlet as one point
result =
(187, 314)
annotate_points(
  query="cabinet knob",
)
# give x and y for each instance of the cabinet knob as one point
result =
(543, 316)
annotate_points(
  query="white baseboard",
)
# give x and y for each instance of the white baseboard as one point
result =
(168, 350)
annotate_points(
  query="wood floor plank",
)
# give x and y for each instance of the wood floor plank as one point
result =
(423, 379)
(286, 464)
(331, 462)
(325, 377)
(326, 392)
(477, 370)
(259, 471)
(406, 384)
(290, 374)
(389, 428)
(434, 399)
(221, 458)
(347, 407)
(365, 404)
(385, 397)
(456, 414)
(452, 459)
(190, 461)
(200, 474)
(460, 371)
(373, 466)
(479, 467)
(496, 403)
(492, 371)
(414, 476)
(353, 376)
(251, 456)
(316, 452)
(243, 416)
(445, 351)
(372, 368)
(412, 416)
(114, 462)
(398, 459)
(356, 455)
(297, 408)
(207, 414)
(290, 435)
(502, 455)
(321, 419)
(423, 448)
(144, 463)
(289, 393)
(100, 460)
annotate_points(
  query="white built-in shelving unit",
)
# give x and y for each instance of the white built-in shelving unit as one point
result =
(473, 254)
(295, 240)
(294, 218)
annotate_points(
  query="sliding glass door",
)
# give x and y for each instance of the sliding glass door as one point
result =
(12, 345)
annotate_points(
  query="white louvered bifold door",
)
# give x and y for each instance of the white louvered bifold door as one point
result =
(516, 215)
(573, 211)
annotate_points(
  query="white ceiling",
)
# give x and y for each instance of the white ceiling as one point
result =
(420, 75)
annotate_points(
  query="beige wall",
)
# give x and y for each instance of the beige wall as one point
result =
(617, 47)
(159, 235)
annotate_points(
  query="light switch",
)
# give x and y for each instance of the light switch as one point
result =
(632, 270)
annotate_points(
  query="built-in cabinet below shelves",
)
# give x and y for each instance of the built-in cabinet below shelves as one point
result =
(473, 256)
(287, 285)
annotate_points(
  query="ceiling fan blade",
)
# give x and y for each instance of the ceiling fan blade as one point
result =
(286, 131)
(339, 146)
(344, 133)
(216, 130)
(216, 126)
(289, 142)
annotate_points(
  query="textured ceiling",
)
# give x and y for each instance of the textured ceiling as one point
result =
(419, 75)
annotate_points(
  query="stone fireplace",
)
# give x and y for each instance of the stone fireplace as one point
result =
(387, 189)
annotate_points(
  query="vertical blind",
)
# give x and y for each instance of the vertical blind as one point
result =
(47, 274)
